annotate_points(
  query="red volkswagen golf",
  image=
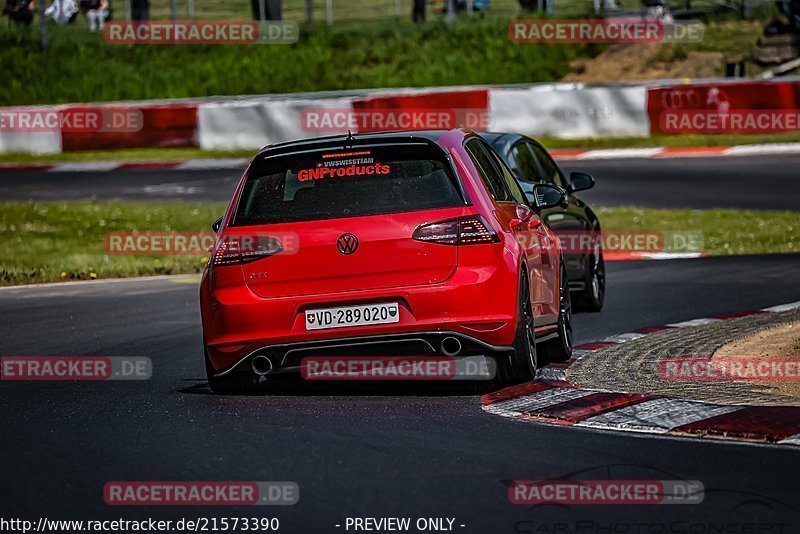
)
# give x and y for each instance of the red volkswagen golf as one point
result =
(382, 245)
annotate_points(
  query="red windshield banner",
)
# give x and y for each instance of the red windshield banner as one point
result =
(321, 172)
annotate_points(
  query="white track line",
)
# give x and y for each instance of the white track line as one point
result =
(766, 149)
(622, 338)
(212, 164)
(102, 281)
(791, 440)
(88, 166)
(620, 153)
(694, 322)
(783, 307)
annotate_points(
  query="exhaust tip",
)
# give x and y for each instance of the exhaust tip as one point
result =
(261, 365)
(450, 346)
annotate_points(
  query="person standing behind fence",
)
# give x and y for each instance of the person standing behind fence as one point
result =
(272, 9)
(140, 10)
(62, 11)
(96, 13)
(19, 11)
(418, 11)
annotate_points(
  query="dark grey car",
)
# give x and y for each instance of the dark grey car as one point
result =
(531, 164)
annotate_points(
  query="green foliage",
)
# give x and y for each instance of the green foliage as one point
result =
(81, 67)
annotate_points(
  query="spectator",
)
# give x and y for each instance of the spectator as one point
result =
(20, 11)
(96, 13)
(62, 11)
(272, 9)
(140, 10)
(418, 13)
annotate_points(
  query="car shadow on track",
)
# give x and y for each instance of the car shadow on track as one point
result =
(299, 387)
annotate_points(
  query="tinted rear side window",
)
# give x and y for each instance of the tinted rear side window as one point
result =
(347, 183)
(490, 173)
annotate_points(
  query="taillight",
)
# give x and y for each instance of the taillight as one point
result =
(236, 250)
(469, 230)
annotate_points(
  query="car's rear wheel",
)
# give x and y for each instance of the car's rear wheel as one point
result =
(524, 361)
(592, 296)
(234, 383)
(559, 349)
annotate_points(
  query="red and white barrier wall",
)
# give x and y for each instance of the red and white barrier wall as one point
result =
(563, 110)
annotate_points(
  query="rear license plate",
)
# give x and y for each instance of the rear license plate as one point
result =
(385, 313)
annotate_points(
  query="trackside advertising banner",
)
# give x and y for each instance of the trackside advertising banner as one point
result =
(726, 108)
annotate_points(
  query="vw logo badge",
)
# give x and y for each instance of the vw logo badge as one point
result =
(347, 243)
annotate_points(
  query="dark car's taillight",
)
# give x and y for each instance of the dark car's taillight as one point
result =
(236, 250)
(468, 230)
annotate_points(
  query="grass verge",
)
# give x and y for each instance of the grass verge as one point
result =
(725, 232)
(59, 241)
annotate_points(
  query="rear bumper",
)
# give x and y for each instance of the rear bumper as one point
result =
(288, 357)
(477, 305)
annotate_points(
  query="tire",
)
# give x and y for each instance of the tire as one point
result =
(591, 298)
(234, 383)
(559, 349)
(524, 360)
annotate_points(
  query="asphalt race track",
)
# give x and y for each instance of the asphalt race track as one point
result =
(378, 449)
(369, 452)
(746, 182)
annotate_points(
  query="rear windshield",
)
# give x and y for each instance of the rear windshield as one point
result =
(347, 183)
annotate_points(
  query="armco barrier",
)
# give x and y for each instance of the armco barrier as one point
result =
(474, 102)
(570, 111)
(721, 98)
(163, 126)
(565, 110)
(254, 123)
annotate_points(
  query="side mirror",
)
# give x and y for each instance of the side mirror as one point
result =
(580, 181)
(216, 225)
(546, 196)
